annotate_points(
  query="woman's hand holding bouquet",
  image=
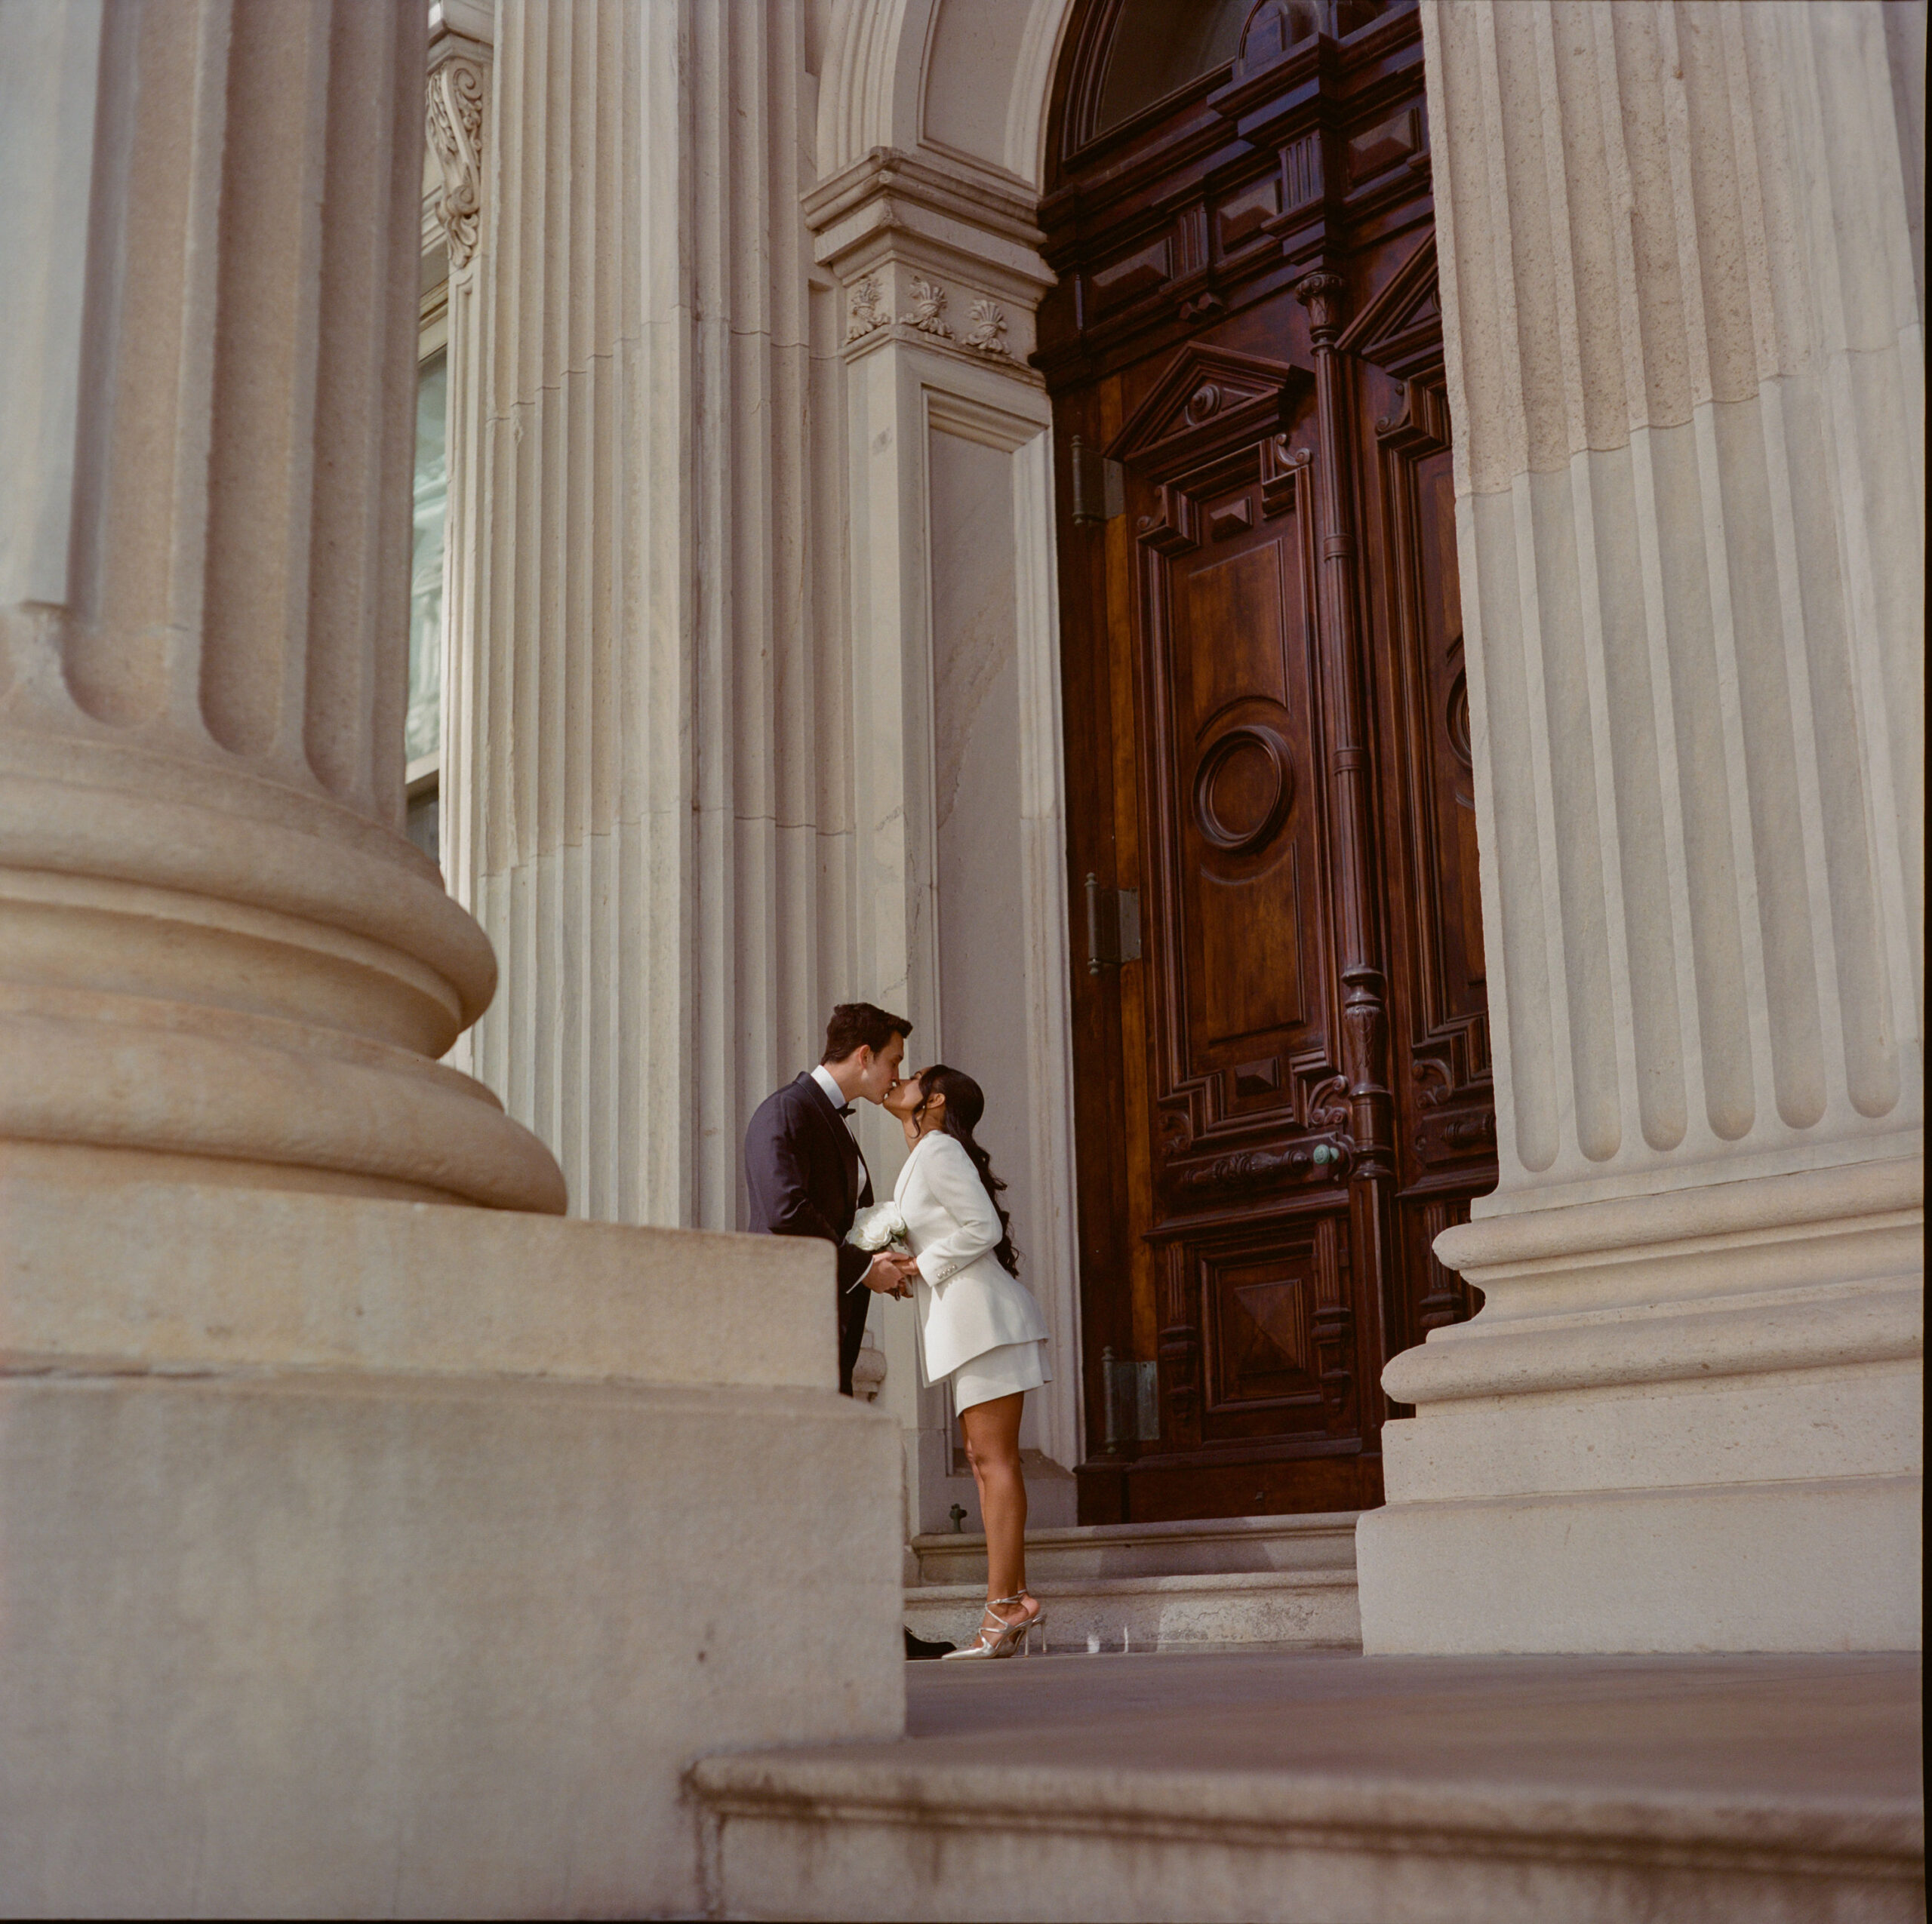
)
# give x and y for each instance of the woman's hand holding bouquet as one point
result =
(882, 1230)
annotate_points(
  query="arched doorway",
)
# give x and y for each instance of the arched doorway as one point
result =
(1281, 1044)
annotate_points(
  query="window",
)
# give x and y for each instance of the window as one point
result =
(422, 719)
(1158, 47)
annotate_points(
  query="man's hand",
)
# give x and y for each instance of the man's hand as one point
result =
(887, 1275)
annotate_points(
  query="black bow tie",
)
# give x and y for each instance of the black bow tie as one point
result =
(847, 1111)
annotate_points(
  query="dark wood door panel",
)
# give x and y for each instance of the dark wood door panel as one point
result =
(1261, 1481)
(1284, 1100)
(1233, 800)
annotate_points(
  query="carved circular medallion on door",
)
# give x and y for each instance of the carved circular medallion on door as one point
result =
(1242, 790)
(1204, 403)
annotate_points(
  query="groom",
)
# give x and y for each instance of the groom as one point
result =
(807, 1177)
(803, 1166)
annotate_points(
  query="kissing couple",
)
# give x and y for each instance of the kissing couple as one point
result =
(944, 1241)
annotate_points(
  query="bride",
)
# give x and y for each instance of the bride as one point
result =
(977, 1324)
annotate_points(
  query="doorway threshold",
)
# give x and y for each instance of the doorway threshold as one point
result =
(1281, 1582)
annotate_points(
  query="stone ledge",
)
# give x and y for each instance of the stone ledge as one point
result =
(360, 1645)
(1818, 1836)
(198, 1275)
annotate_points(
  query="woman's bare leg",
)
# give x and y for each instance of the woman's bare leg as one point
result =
(992, 1447)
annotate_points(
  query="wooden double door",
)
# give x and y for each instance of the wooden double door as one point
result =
(1283, 1088)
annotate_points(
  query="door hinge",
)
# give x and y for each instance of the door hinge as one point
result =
(1113, 926)
(1100, 486)
(1132, 1393)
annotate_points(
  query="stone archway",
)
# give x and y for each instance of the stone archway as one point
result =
(958, 80)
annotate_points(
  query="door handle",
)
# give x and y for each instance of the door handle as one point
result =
(1113, 926)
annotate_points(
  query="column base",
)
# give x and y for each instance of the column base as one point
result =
(1785, 1566)
(1687, 1422)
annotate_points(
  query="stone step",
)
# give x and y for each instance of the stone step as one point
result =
(1348, 1791)
(1264, 1582)
(1216, 1545)
(1267, 1609)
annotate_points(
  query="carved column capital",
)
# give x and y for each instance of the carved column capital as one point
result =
(1324, 295)
(948, 262)
(458, 92)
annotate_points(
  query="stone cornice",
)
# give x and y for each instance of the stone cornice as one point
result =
(981, 202)
(472, 21)
(890, 202)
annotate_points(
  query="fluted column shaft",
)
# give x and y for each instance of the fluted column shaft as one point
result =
(1681, 310)
(1685, 381)
(647, 800)
(218, 943)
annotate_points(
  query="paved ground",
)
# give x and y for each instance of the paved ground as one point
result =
(1810, 1727)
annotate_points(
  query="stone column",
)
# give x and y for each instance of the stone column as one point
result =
(325, 1517)
(221, 958)
(1679, 262)
(646, 796)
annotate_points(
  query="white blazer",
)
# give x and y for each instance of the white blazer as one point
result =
(967, 1304)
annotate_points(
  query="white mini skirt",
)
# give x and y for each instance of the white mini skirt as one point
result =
(1000, 1372)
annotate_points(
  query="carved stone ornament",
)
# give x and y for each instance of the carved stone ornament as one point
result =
(928, 306)
(869, 1372)
(869, 313)
(457, 90)
(987, 335)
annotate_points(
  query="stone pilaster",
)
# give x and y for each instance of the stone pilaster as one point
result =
(959, 909)
(1685, 367)
(647, 789)
(218, 943)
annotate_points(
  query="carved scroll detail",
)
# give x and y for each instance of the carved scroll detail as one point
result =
(457, 91)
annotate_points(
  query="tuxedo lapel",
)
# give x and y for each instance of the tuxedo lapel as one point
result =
(849, 1160)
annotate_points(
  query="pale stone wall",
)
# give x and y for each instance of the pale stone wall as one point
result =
(1681, 293)
(367, 1557)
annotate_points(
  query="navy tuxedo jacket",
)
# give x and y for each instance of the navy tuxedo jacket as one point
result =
(805, 1174)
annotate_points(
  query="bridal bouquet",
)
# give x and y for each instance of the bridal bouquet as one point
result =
(879, 1227)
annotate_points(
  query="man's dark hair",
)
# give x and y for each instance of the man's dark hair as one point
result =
(861, 1025)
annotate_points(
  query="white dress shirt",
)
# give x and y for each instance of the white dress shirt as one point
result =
(824, 1078)
(828, 1082)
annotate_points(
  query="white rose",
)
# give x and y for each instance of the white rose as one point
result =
(881, 1227)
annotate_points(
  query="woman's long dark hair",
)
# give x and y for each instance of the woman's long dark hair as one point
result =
(965, 1104)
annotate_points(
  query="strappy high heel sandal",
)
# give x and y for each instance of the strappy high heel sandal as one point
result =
(997, 1638)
